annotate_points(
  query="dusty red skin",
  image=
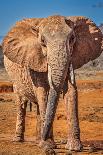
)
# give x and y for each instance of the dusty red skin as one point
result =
(24, 51)
(71, 101)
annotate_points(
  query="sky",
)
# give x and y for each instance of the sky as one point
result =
(15, 10)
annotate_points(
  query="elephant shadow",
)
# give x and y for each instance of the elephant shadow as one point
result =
(89, 146)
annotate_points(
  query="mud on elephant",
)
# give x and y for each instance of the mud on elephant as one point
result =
(41, 56)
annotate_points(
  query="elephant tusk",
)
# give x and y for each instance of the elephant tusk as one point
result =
(72, 76)
(49, 77)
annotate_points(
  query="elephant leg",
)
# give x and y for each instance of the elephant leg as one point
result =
(20, 123)
(38, 124)
(30, 105)
(42, 101)
(71, 100)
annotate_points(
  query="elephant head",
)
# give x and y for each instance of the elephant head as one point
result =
(51, 44)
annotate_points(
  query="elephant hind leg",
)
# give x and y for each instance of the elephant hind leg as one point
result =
(20, 123)
(38, 124)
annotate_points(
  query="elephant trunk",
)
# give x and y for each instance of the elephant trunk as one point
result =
(57, 72)
(50, 113)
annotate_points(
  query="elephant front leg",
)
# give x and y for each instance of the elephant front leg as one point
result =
(20, 123)
(42, 104)
(71, 100)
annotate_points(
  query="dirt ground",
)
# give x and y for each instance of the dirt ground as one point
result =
(90, 96)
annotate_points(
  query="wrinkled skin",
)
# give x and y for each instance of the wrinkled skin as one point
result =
(41, 55)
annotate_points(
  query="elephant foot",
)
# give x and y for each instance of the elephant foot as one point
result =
(18, 138)
(74, 145)
(48, 151)
(48, 146)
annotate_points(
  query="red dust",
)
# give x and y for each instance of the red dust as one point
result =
(90, 96)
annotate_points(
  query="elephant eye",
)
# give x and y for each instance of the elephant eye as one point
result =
(43, 41)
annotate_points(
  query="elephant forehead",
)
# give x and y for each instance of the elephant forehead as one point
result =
(58, 28)
(54, 24)
(52, 19)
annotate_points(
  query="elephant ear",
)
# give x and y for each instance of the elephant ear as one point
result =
(22, 47)
(89, 41)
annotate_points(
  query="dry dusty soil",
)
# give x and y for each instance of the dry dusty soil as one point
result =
(90, 94)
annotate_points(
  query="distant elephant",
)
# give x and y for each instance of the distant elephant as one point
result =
(41, 55)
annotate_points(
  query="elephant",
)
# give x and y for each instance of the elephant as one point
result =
(40, 56)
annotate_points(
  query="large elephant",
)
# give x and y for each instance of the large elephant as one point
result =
(41, 56)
